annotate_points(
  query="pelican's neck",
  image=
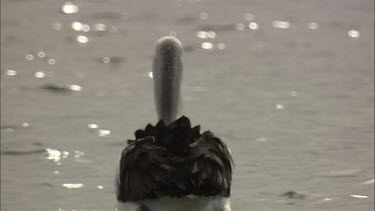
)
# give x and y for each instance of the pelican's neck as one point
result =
(167, 73)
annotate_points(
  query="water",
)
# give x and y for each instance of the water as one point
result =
(295, 104)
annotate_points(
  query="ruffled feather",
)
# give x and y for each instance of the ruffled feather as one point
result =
(174, 160)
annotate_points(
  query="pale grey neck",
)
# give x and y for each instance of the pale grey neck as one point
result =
(167, 74)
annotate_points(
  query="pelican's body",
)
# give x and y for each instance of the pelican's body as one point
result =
(172, 166)
(180, 204)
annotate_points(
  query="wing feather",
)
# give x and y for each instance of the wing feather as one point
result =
(210, 165)
(142, 168)
(174, 160)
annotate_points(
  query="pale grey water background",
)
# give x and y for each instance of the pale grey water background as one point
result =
(295, 105)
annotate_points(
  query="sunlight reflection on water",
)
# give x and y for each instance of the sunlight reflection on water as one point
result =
(281, 24)
(353, 34)
(73, 185)
(11, 72)
(82, 39)
(253, 26)
(69, 8)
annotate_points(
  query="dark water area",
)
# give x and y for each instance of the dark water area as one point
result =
(288, 85)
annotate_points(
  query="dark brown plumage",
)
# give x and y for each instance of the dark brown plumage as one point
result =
(174, 160)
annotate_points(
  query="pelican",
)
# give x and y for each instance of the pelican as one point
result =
(172, 166)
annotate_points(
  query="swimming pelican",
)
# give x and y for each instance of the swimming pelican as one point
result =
(172, 166)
